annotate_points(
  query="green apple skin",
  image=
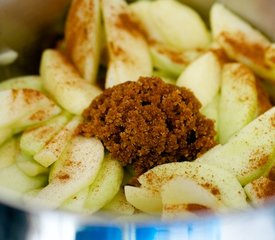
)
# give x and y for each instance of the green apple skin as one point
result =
(220, 182)
(248, 153)
(63, 82)
(82, 37)
(30, 167)
(202, 77)
(105, 186)
(238, 100)
(34, 139)
(54, 148)
(129, 56)
(119, 205)
(8, 152)
(76, 169)
(241, 41)
(30, 82)
(15, 180)
(144, 199)
(183, 29)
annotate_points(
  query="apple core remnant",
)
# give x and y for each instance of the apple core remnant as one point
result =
(148, 123)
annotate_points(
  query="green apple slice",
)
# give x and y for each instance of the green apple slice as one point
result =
(129, 56)
(142, 11)
(105, 186)
(238, 100)
(183, 28)
(12, 178)
(34, 139)
(54, 148)
(76, 202)
(144, 199)
(218, 181)
(119, 205)
(62, 81)
(19, 106)
(203, 77)
(31, 82)
(82, 37)
(8, 152)
(241, 41)
(170, 59)
(247, 154)
(76, 169)
(30, 167)
(260, 191)
(187, 196)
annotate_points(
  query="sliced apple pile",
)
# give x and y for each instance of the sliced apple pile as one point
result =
(108, 42)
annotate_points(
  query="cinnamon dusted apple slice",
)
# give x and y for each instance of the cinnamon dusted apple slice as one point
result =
(248, 153)
(82, 37)
(76, 169)
(242, 42)
(238, 99)
(32, 82)
(129, 57)
(62, 81)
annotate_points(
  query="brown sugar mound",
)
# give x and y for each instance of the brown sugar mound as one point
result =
(148, 123)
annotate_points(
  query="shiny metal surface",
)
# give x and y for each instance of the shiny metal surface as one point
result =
(22, 26)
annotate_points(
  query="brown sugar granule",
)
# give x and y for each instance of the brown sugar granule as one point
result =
(149, 122)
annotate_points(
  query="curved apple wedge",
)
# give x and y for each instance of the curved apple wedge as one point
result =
(180, 25)
(128, 50)
(238, 99)
(105, 186)
(31, 82)
(62, 81)
(248, 153)
(8, 152)
(241, 41)
(183, 196)
(202, 77)
(221, 183)
(75, 169)
(22, 107)
(82, 37)
(144, 199)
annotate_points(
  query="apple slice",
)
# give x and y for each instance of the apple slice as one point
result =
(170, 59)
(144, 199)
(19, 106)
(30, 167)
(31, 82)
(105, 186)
(247, 154)
(76, 169)
(203, 77)
(8, 152)
(187, 196)
(260, 191)
(129, 56)
(12, 178)
(270, 55)
(82, 37)
(119, 205)
(238, 100)
(63, 82)
(241, 42)
(218, 181)
(34, 139)
(5, 134)
(55, 146)
(142, 11)
(183, 29)
(76, 202)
